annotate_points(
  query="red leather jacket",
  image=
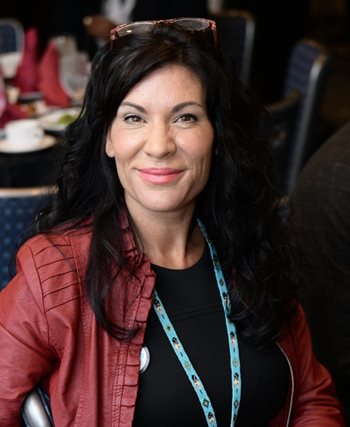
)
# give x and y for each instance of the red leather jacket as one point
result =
(48, 331)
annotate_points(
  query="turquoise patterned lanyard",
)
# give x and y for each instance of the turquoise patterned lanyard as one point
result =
(232, 340)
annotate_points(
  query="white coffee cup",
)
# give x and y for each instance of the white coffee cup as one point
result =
(24, 133)
(9, 63)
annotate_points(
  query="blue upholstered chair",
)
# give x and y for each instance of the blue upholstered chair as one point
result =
(236, 33)
(11, 35)
(18, 208)
(297, 115)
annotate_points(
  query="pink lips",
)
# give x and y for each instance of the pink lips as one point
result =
(160, 175)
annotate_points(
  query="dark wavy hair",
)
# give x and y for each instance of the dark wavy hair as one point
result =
(238, 204)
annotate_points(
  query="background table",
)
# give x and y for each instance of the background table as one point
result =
(31, 169)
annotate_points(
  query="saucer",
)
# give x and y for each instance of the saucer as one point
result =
(30, 97)
(9, 147)
(57, 120)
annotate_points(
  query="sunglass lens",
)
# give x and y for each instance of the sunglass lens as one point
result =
(191, 24)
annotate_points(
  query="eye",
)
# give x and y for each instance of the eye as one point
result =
(187, 117)
(132, 118)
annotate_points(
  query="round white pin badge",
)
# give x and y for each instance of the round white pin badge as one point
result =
(144, 359)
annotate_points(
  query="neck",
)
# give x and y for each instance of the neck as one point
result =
(170, 240)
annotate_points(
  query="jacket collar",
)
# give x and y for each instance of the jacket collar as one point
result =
(80, 240)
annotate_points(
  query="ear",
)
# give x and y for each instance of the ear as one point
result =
(109, 147)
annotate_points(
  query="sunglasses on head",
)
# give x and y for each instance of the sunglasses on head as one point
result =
(187, 24)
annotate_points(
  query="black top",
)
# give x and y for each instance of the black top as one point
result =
(166, 397)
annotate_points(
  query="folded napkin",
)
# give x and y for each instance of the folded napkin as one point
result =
(26, 78)
(9, 111)
(2, 96)
(49, 78)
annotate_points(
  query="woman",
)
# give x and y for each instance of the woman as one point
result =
(159, 290)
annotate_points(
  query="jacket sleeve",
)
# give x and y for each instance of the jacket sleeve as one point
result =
(26, 356)
(314, 401)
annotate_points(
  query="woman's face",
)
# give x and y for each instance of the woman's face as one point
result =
(162, 142)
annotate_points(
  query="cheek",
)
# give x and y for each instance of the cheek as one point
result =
(201, 149)
(206, 164)
(110, 144)
(109, 149)
(119, 147)
(117, 142)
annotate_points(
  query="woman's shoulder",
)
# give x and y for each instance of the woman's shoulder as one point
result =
(53, 265)
(57, 245)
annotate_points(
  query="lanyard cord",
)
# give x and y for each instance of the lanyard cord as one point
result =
(232, 341)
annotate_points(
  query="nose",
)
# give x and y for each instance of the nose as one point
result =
(160, 141)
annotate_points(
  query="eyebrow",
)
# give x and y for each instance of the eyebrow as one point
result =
(177, 107)
(131, 104)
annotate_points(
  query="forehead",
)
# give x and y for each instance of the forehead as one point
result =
(173, 80)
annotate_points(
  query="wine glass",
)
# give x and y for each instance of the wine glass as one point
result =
(74, 75)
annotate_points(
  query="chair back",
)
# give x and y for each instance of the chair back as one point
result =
(11, 35)
(236, 32)
(36, 410)
(18, 209)
(307, 73)
(283, 115)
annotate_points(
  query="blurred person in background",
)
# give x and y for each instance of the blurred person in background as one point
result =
(115, 12)
(90, 21)
(106, 14)
(321, 207)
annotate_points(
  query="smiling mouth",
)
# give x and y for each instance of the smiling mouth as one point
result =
(160, 175)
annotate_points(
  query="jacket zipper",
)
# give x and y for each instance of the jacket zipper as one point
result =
(292, 388)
